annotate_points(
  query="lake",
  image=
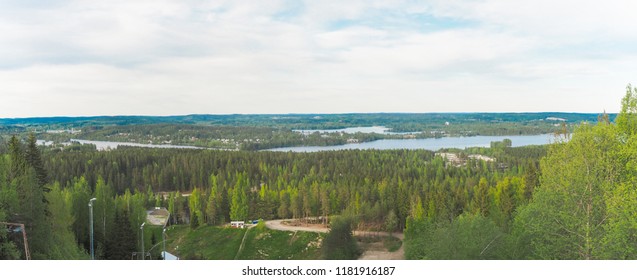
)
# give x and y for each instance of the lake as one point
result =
(352, 130)
(108, 145)
(432, 144)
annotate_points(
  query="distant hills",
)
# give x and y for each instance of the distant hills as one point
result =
(311, 120)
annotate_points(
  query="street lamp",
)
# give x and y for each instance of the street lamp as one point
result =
(90, 209)
(163, 240)
(142, 228)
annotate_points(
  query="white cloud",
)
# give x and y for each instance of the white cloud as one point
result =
(180, 57)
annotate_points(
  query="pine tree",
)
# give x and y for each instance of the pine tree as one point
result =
(212, 202)
(122, 243)
(34, 159)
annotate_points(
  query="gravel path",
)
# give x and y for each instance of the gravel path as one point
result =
(374, 253)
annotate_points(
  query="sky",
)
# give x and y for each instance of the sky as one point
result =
(158, 57)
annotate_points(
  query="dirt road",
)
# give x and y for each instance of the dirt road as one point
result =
(374, 252)
(281, 225)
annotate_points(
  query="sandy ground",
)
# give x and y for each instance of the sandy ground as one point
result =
(375, 251)
(293, 225)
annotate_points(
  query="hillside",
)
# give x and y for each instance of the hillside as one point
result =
(220, 243)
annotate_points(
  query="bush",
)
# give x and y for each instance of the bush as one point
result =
(339, 244)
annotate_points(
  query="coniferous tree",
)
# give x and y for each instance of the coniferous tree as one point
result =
(34, 159)
(339, 243)
(122, 243)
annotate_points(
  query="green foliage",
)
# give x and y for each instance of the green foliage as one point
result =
(214, 202)
(195, 206)
(239, 205)
(122, 242)
(265, 244)
(469, 237)
(477, 210)
(8, 249)
(566, 218)
(584, 207)
(103, 214)
(627, 119)
(226, 131)
(78, 200)
(392, 244)
(481, 198)
(391, 221)
(204, 243)
(339, 243)
(63, 245)
(418, 238)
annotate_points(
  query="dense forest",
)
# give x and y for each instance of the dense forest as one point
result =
(258, 132)
(397, 121)
(574, 199)
(371, 186)
(583, 207)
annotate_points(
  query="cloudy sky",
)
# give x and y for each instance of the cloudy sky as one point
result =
(157, 57)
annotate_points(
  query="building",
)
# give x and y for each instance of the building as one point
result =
(168, 256)
(237, 224)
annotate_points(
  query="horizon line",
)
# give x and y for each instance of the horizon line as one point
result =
(300, 114)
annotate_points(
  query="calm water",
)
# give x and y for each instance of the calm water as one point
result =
(352, 130)
(432, 144)
(108, 145)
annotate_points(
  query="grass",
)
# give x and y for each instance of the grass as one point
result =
(265, 244)
(392, 244)
(218, 243)
(204, 243)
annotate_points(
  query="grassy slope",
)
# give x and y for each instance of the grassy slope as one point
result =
(206, 243)
(217, 243)
(266, 244)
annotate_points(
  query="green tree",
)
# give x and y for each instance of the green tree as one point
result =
(566, 217)
(122, 243)
(194, 204)
(418, 238)
(627, 119)
(79, 197)
(621, 200)
(8, 249)
(34, 158)
(391, 222)
(103, 212)
(481, 200)
(8, 204)
(213, 202)
(339, 243)
(63, 245)
(239, 204)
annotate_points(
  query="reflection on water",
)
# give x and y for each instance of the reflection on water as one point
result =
(432, 144)
(352, 130)
(108, 145)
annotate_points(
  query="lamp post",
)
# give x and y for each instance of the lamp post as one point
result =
(90, 209)
(142, 228)
(163, 240)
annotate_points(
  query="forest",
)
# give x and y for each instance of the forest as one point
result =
(574, 199)
(259, 132)
(372, 186)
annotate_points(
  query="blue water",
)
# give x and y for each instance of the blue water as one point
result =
(432, 144)
(109, 145)
(352, 130)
